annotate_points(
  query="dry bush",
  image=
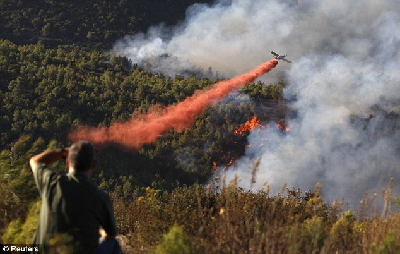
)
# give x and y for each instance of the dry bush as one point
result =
(229, 219)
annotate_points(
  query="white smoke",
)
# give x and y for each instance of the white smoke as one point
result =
(229, 38)
(346, 64)
(333, 140)
(351, 72)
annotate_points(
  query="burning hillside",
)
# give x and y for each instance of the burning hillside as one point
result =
(254, 124)
(344, 62)
(147, 128)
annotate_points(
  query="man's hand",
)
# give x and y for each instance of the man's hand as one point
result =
(102, 233)
(48, 157)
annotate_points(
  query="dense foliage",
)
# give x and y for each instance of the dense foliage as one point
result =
(97, 23)
(45, 92)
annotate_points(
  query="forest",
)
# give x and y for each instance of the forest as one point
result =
(56, 74)
(96, 24)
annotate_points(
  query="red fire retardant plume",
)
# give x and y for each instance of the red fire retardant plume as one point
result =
(146, 128)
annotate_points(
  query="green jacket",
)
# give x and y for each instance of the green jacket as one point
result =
(72, 210)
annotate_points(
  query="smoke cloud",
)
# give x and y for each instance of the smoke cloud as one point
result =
(345, 76)
(346, 135)
(229, 38)
(146, 128)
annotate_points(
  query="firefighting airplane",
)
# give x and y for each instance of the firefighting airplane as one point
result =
(280, 57)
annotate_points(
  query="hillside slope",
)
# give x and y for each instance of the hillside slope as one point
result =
(95, 23)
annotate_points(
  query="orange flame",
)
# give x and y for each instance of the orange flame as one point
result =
(248, 126)
(283, 127)
(214, 165)
(231, 162)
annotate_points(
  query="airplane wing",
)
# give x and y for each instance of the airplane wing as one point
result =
(284, 59)
(275, 54)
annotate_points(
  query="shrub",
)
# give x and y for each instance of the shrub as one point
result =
(12, 231)
(174, 242)
(389, 246)
(22, 233)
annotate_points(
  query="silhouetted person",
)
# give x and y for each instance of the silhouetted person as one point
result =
(74, 211)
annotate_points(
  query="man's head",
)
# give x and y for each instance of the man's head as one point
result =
(81, 156)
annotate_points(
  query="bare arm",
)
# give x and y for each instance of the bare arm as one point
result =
(48, 157)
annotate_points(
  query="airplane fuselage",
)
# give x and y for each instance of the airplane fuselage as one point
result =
(280, 57)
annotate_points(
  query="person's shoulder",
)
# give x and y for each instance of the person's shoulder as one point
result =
(104, 196)
(94, 189)
(39, 167)
(42, 170)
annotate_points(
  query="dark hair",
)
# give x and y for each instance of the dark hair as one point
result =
(81, 155)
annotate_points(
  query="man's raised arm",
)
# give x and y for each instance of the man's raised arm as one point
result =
(48, 157)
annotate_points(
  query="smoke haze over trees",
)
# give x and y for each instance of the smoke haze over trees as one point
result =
(345, 71)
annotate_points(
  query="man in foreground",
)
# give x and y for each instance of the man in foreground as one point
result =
(73, 208)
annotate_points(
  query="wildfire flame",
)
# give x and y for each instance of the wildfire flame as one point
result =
(283, 127)
(214, 166)
(231, 161)
(255, 123)
(225, 158)
(248, 126)
(244, 128)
